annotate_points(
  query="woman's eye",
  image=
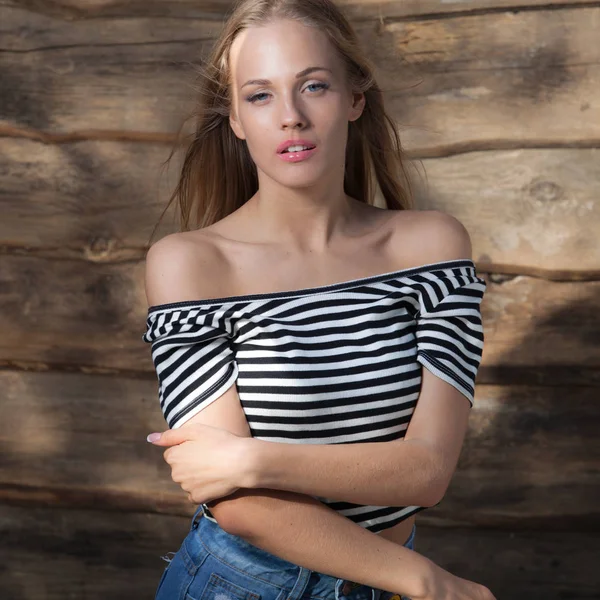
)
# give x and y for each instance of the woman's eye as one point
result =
(320, 86)
(256, 96)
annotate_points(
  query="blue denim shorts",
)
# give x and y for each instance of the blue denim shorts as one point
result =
(212, 564)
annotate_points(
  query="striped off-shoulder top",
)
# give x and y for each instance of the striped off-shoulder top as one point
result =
(334, 364)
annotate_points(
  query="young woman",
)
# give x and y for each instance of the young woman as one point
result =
(287, 281)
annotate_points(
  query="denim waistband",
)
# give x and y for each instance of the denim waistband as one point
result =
(240, 554)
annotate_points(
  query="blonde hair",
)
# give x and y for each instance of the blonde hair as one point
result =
(218, 174)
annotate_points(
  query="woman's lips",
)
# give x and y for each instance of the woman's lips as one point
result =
(297, 156)
(294, 142)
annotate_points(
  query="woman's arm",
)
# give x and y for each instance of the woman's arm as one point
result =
(305, 532)
(414, 471)
(395, 473)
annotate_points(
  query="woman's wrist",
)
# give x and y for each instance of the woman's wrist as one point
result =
(249, 462)
(425, 573)
(436, 582)
(425, 576)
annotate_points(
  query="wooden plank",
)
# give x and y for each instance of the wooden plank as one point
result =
(491, 80)
(98, 554)
(354, 9)
(540, 331)
(90, 201)
(96, 312)
(407, 9)
(112, 74)
(510, 466)
(517, 564)
(54, 553)
(80, 441)
(537, 331)
(528, 212)
(449, 84)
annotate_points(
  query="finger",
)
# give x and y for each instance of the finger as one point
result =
(169, 454)
(170, 437)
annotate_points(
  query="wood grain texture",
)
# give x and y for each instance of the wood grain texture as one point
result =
(517, 564)
(528, 211)
(492, 80)
(214, 9)
(93, 554)
(73, 315)
(532, 212)
(84, 554)
(79, 440)
(91, 201)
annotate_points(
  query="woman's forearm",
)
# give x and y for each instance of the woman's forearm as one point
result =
(302, 530)
(398, 473)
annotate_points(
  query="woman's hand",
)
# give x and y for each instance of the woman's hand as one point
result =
(207, 462)
(443, 585)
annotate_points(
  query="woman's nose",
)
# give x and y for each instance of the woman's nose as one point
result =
(291, 115)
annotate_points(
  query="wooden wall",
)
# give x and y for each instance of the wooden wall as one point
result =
(499, 100)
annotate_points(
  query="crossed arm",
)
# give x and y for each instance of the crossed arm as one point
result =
(304, 531)
(415, 470)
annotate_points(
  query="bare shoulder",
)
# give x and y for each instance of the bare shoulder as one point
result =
(183, 266)
(433, 236)
(449, 237)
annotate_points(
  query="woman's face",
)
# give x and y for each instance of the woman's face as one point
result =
(315, 106)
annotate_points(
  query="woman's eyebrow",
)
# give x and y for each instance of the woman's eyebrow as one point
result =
(298, 75)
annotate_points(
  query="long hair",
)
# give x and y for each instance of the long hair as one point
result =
(218, 174)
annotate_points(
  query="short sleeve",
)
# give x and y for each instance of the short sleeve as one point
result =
(449, 328)
(193, 358)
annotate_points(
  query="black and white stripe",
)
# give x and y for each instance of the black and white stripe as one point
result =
(333, 364)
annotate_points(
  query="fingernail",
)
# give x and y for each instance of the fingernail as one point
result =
(153, 437)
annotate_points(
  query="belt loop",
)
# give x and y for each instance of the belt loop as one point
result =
(300, 585)
(344, 587)
(194, 525)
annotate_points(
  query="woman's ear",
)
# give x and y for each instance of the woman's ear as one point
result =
(236, 126)
(357, 107)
